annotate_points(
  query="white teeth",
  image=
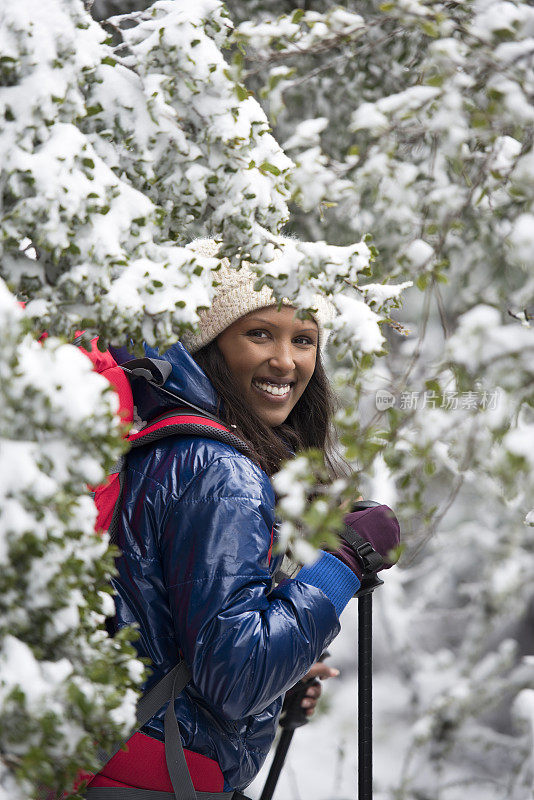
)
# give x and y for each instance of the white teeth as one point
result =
(278, 391)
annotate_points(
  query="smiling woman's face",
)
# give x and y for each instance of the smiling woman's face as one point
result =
(272, 356)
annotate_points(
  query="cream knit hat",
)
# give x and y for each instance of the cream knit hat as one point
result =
(235, 297)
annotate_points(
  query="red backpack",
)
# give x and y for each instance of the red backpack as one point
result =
(185, 419)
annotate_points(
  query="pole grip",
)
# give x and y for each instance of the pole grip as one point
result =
(293, 715)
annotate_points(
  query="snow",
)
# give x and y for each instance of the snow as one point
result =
(21, 670)
(524, 709)
(307, 133)
(312, 29)
(357, 320)
(522, 237)
(369, 117)
(499, 15)
(303, 552)
(506, 150)
(419, 253)
(374, 116)
(379, 293)
(520, 441)
(124, 716)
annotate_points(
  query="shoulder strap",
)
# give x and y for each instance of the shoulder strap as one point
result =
(174, 423)
(182, 422)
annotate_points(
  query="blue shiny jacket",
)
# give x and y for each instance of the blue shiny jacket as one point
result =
(196, 575)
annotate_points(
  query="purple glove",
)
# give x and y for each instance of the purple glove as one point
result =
(378, 526)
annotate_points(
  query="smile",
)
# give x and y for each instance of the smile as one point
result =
(278, 390)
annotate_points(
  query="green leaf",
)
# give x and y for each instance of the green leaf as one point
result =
(422, 281)
(92, 110)
(432, 385)
(504, 34)
(479, 120)
(429, 467)
(241, 91)
(274, 80)
(367, 360)
(297, 16)
(435, 80)
(109, 60)
(267, 167)
(430, 28)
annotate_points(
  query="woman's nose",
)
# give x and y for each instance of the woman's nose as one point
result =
(282, 358)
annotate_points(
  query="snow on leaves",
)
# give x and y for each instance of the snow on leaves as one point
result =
(59, 671)
(429, 119)
(117, 147)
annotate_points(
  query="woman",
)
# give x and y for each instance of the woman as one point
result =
(197, 532)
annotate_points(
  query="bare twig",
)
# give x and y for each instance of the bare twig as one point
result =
(441, 309)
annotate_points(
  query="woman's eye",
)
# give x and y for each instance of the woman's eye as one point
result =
(304, 340)
(257, 333)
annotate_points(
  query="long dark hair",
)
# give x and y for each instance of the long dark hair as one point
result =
(308, 425)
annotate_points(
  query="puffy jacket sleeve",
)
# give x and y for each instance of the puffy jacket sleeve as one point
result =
(245, 645)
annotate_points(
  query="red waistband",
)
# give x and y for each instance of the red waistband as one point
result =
(143, 766)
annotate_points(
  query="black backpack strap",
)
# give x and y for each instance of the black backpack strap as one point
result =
(181, 422)
(113, 529)
(166, 690)
(174, 752)
(153, 370)
(173, 682)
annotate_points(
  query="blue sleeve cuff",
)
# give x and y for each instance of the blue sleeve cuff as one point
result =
(337, 581)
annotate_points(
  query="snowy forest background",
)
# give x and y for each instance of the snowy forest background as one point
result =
(411, 121)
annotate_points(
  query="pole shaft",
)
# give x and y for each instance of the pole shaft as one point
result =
(278, 763)
(365, 697)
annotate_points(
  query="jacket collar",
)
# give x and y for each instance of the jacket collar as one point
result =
(187, 379)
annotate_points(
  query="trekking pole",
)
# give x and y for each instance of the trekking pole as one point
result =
(369, 583)
(370, 562)
(365, 685)
(293, 717)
